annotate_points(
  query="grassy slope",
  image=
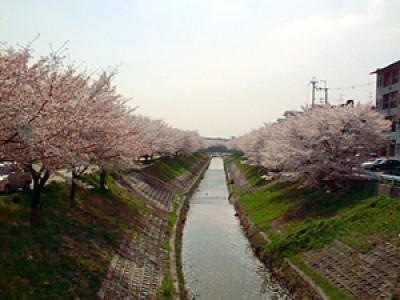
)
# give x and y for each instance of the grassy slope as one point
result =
(168, 168)
(252, 173)
(69, 252)
(298, 220)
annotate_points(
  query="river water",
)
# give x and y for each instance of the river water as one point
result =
(217, 260)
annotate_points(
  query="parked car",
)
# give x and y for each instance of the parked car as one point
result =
(383, 165)
(371, 163)
(13, 177)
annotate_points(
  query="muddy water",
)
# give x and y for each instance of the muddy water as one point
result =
(217, 260)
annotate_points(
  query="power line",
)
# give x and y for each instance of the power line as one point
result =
(352, 87)
(325, 89)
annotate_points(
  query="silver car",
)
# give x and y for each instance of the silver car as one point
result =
(369, 164)
(13, 177)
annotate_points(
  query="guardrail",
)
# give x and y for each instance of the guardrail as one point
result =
(380, 176)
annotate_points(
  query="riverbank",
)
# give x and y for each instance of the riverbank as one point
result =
(145, 266)
(111, 244)
(337, 243)
(176, 240)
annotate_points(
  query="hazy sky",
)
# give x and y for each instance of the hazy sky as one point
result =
(219, 67)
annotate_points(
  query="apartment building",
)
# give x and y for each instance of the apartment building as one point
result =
(388, 102)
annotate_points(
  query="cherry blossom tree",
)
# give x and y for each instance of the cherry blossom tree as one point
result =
(55, 117)
(42, 100)
(318, 143)
(18, 83)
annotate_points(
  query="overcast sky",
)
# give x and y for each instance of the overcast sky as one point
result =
(219, 67)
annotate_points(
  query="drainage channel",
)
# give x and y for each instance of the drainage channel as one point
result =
(217, 259)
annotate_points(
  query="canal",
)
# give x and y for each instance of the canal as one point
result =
(217, 260)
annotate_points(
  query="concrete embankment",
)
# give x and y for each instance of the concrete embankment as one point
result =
(346, 241)
(287, 275)
(176, 240)
(145, 266)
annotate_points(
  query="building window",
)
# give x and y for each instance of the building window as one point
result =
(389, 100)
(387, 79)
(393, 99)
(380, 80)
(385, 102)
(395, 76)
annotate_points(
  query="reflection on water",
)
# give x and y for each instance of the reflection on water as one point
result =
(217, 260)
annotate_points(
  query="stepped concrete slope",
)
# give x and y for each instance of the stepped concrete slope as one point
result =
(138, 268)
(365, 276)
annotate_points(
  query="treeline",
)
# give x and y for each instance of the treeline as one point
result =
(55, 116)
(317, 144)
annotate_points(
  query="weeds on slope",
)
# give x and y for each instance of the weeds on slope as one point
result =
(68, 253)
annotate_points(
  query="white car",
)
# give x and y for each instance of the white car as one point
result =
(368, 164)
(13, 177)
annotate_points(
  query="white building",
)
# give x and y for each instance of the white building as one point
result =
(388, 102)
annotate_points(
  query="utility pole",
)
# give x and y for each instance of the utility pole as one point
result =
(313, 82)
(325, 88)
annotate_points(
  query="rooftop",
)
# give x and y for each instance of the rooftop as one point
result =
(397, 63)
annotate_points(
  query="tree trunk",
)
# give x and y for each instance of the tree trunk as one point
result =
(73, 190)
(38, 185)
(35, 205)
(102, 180)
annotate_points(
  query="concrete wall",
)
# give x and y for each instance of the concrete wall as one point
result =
(388, 190)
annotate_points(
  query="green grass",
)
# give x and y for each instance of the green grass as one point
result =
(172, 218)
(354, 225)
(299, 219)
(167, 289)
(168, 168)
(252, 173)
(266, 205)
(68, 253)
